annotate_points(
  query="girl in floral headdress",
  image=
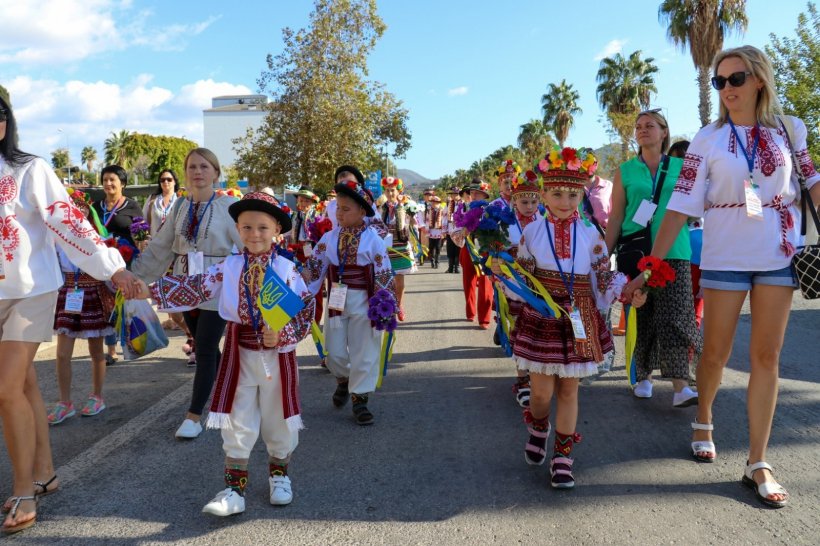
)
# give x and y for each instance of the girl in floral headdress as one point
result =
(568, 259)
(396, 215)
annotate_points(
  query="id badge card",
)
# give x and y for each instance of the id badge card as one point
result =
(308, 250)
(196, 263)
(644, 213)
(74, 301)
(754, 208)
(338, 295)
(577, 324)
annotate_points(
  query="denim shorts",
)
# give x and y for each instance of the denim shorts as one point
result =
(743, 280)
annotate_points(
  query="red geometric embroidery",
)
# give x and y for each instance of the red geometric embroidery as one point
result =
(806, 164)
(10, 236)
(8, 189)
(688, 173)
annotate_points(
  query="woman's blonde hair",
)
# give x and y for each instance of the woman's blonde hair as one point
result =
(756, 62)
(209, 156)
(656, 115)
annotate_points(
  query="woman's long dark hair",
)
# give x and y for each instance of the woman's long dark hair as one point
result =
(8, 146)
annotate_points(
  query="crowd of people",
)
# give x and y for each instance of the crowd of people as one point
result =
(542, 264)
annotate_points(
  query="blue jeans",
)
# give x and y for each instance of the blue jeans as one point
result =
(743, 280)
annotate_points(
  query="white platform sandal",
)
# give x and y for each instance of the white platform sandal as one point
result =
(765, 489)
(703, 446)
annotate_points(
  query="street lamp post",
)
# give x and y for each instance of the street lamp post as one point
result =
(68, 153)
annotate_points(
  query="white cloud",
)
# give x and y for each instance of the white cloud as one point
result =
(88, 112)
(611, 48)
(458, 91)
(55, 32)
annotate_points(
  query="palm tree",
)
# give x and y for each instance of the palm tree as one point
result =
(560, 105)
(625, 86)
(89, 156)
(115, 151)
(701, 25)
(533, 140)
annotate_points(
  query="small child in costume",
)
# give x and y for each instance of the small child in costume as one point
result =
(569, 259)
(435, 219)
(257, 389)
(525, 200)
(353, 258)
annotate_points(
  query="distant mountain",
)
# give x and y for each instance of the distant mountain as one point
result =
(413, 179)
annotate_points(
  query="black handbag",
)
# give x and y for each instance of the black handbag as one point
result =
(806, 260)
(631, 248)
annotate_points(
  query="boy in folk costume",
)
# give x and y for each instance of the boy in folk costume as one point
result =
(299, 238)
(396, 214)
(435, 216)
(478, 289)
(524, 198)
(453, 202)
(354, 260)
(570, 260)
(257, 390)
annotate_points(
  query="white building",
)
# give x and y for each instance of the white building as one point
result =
(229, 117)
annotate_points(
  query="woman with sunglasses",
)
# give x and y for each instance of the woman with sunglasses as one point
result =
(668, 337)
(738, 174)
(156, 211)
(36, 215)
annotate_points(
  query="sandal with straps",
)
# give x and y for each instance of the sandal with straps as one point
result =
(561, 473)
(11, 529)
(764, 490)
(535, 455)
(703, 446)
(6, 508)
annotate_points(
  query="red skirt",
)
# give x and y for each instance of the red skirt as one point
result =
(98, 302)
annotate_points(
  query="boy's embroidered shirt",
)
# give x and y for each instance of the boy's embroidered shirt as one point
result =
(225, 283)
(36, 212)
(366, 248)
(515, 233)
(591, 256)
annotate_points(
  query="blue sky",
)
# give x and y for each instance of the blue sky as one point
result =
(470, 72)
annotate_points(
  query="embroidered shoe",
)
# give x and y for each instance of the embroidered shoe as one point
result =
(61, 412)
(281, 492)
(226, 503)
(94, 405)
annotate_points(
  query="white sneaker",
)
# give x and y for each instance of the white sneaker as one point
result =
(188, 429)
(280, 490)
(686, 397)
(226, 503)
(643, 389)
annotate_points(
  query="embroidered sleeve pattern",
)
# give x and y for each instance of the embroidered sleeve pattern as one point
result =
(383, 272)
(299, 326)
(182, 293)
(315, 267)
(607, 284)
(688, 173)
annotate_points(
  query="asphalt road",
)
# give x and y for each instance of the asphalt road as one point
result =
(443, 464)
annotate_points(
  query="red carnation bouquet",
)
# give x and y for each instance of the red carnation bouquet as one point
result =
(657, 273)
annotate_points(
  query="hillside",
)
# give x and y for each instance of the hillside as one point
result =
(414, 180)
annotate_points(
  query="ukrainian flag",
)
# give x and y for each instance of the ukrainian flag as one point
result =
(277, 302)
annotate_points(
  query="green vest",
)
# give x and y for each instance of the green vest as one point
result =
(637, 182)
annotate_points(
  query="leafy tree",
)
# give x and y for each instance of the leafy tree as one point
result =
(89, 156)
(324, 111)
(797, 74)
(59, 158)
(560, 106)
(701, 26)
(150, 154)
(115, 153)
(534, 141)
(625, 87)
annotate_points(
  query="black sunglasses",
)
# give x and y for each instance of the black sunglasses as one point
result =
(4, 115)
(737, 79)
(166, 179)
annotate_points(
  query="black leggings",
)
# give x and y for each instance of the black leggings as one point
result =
(207, 328)
(434, 249)
(452, 254)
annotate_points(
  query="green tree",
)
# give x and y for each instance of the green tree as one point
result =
(59, 158)
(797, 74)
(89, 156)
(534, 141)
(115, 153)
(324, 110)
(560, 106)
(150, 154)
(700, 26)
(625, 87)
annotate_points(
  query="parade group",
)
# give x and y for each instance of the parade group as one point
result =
(534, 251)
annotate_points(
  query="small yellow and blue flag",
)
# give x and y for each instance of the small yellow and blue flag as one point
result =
(277, 302)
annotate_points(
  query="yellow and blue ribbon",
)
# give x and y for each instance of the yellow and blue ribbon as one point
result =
(318, 339)
(385, 355)
(630, 341)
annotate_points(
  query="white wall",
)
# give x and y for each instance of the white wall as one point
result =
(220, 128)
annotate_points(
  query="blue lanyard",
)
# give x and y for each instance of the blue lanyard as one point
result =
(76, 278)
(255, 319)
(657, 172)
(558, 262)
(108, 216)
(750, 161)
(202, 217)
